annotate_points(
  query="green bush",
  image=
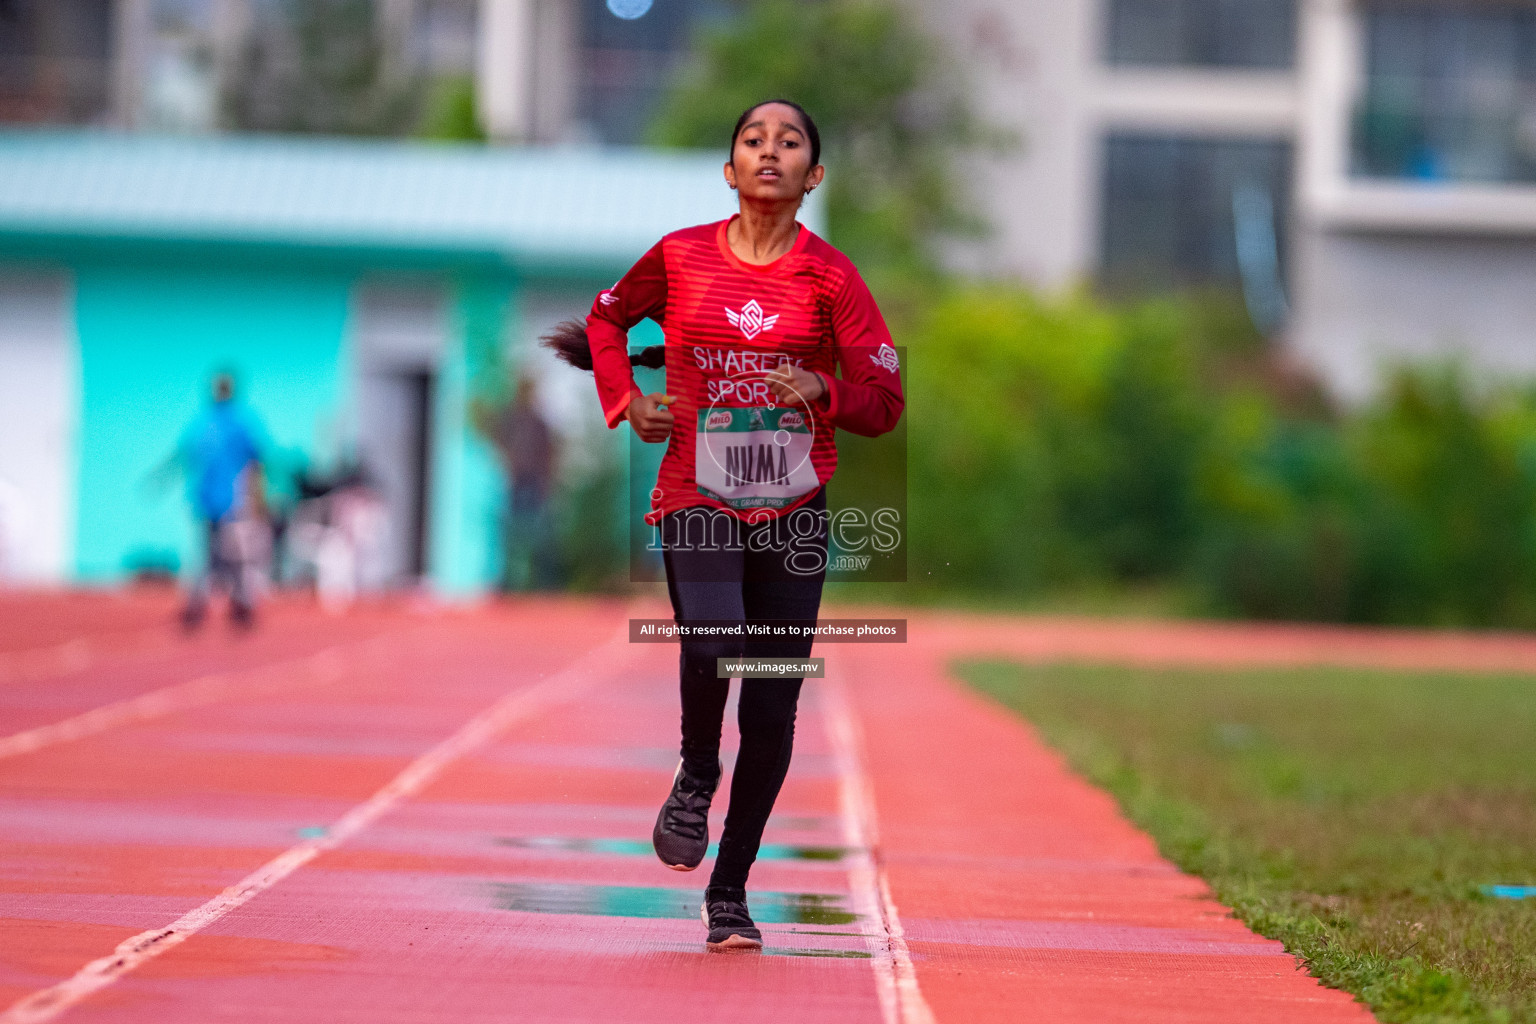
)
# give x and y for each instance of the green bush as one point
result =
(590, 535)
(1069, 443)
(1054, 443)
(1415, 509)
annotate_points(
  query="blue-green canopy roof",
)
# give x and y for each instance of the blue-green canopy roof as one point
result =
(521, 204)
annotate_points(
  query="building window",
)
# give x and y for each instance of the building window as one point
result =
(1203, 33)
(442, 37)
(629, 52)
(55, 61)
(1450, 94)
(1181, 211)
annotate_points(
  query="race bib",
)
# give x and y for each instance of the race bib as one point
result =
(754, 457)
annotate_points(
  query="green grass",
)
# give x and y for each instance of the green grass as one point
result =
(1354, 815)
(1104, 601)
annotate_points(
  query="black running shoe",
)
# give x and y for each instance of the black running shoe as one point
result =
(192, 615)
(242, 615)
(681, 834)
(730, 926)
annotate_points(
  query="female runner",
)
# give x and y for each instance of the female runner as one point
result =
(758, 313)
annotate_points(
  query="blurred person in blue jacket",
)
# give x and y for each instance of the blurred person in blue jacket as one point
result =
(220, 452)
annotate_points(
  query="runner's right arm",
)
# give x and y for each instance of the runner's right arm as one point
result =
(867, 399)
(641, 293)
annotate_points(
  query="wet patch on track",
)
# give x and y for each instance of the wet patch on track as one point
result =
(654, 901)
(643, 848)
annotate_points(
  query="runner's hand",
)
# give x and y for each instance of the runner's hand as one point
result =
(650, 417)
(794, 385)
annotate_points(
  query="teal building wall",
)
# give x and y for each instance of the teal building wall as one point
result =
(180, 256)
(469, 487)
(153, 331)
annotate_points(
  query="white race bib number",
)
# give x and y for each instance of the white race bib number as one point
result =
(754, 457)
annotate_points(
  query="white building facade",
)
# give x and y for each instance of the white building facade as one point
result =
(1363, 170)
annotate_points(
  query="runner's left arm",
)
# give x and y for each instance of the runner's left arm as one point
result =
(867, 398)
(641, 293)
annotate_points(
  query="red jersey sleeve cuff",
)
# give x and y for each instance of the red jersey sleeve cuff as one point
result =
(828, 400)
(615, 414)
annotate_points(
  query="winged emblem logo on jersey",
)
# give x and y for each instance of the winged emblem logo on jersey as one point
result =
(751, 320)
(885, 357)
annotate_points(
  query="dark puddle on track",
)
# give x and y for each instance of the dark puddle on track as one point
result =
(638, 848)
(806, 822)
(654, 901)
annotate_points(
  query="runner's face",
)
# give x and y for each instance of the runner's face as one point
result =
(772, 156)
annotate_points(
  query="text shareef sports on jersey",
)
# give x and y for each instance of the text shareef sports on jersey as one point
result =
(737, 362)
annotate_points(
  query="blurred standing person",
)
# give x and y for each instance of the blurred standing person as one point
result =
(528, 449)
(220, 452)
(339, 528)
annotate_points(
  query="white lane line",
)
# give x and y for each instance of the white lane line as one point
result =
(322, 667)
(901, 1000)
(519, 705)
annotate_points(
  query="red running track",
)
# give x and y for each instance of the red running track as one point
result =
(402, 815)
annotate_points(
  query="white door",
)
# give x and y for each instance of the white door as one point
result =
(38, 414)
(399, 336)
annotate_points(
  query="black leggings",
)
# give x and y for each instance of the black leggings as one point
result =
(721, 569)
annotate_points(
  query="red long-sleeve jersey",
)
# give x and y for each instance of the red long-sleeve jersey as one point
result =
(727, 324)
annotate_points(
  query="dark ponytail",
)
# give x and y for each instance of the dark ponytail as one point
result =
(568, 340)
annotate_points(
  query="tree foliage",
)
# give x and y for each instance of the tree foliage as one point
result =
(891, 110)
(324, 67)
(1069, 444)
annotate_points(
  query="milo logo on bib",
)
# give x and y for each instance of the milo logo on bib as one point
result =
(754, 457)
